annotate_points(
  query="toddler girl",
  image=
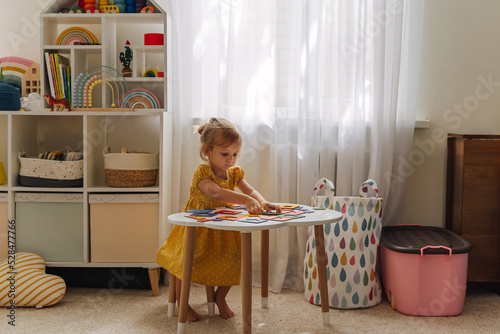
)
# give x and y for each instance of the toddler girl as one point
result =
(217, 253)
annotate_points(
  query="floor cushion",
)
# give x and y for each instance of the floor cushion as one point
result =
(24, 283)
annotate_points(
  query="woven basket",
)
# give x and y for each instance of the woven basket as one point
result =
(129, 170)
(49, 173)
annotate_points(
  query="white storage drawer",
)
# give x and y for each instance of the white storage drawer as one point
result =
(50, 225)
(124, 227)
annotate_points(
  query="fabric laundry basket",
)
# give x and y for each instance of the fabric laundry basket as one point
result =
(351, 246)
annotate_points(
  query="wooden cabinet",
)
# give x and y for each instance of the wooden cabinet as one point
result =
(473, 200)
(147, 128)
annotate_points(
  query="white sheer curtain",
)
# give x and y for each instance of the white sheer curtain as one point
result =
(318, 89)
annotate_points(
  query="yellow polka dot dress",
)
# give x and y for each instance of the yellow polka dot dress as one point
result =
(217, 252)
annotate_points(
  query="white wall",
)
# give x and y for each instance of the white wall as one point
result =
(461, 51)
(20, 26)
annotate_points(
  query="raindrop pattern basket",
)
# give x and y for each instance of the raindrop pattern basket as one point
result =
(351, 247)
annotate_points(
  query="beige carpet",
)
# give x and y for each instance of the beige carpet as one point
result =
(84, 310)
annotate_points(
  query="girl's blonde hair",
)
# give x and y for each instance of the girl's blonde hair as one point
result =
(217, 132)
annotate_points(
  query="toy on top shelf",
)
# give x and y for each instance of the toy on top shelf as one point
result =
(139, 5)
(148, 9)
(130, 6)
(88, 3)
(76, 34)
(92, 9)
(121, 5)
(125, 59)
(57, 104)
(109, 9)
(76, 9)
(106, 7)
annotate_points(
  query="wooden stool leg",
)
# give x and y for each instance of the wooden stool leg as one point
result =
(210, 300)
(264, 267)
(171, 295)
(323, 284)
(187, 270)
(246, 280)
(153, 279)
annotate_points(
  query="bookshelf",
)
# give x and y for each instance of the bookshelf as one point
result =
(142, 130)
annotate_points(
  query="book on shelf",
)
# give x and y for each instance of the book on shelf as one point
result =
(59, 75)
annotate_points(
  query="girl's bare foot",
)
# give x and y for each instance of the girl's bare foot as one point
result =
(220, 299)
(191, 315)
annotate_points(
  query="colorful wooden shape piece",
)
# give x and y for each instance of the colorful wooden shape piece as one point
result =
(200, 210)
(195, 217)
(229, 217)
(209, 214)
(270, 213)
(236, 207)
(289, 206)
(293, 216)
(204, 220)
(295, 212)
(252, 220)
(282, 219)
(228, 212)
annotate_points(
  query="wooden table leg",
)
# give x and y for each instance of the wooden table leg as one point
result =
(210, 300)
(264, 267)
(171, 295)
(153, 279)
(187, 269)
(323, 284)
(246, 280)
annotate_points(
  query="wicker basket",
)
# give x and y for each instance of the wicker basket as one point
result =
(129, 170)
(49, 173)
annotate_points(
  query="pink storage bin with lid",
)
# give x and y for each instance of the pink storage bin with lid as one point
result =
(424, 270)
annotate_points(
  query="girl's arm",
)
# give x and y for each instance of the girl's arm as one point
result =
(212, 190)
(250, 191)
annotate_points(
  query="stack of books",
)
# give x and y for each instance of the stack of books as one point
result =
(59, 75)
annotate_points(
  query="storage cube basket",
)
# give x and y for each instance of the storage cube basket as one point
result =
(49, 173)
(127, 170)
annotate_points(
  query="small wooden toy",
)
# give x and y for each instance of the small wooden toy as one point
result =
(76, 9)
(121, 5)
(88, 3)
(125, 58)
(148, 9)
(139, 5)
(130, 6)
(151, 73)
(57, 104)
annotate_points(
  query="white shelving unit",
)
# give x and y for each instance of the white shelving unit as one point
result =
(143, 130)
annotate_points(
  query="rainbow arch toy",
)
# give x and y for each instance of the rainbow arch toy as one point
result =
(140, 98)
(12, 70)
(76, 34)
(100, 74)
(121, 97)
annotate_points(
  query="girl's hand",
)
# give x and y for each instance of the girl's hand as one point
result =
(253, 206)
(270, 207)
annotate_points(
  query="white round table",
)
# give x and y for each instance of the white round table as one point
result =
(316, 218)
